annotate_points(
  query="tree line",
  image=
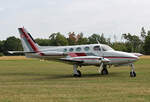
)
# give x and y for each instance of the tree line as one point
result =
(130, 43)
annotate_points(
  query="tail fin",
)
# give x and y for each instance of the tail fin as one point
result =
(28, 43)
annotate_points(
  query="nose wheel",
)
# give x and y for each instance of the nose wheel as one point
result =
(132, 73)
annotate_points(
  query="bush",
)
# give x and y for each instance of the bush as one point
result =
(1, 54)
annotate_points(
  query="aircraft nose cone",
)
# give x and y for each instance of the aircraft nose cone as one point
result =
(132, 57)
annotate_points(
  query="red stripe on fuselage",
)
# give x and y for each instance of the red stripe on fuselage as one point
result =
(80, 54)
(73, 55)
(30, 41)
(76, 54)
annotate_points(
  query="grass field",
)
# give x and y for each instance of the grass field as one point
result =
(30, 80)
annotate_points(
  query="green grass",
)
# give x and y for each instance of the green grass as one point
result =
(46, 81)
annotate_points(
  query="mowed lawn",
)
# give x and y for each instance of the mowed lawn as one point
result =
(32, 80)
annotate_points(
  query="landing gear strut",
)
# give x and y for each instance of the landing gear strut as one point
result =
(132, 73)
(104, 71)
(76, 73)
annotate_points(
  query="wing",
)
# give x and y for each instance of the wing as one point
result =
(84, 59)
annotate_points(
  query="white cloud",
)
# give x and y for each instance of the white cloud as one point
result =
(1, 9)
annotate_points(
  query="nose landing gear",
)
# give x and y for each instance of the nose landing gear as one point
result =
(132, 73)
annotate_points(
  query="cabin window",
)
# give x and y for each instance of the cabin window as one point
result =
(65, 50)
(78, 49)
(97, 48)
(86, 48)
(71, 49)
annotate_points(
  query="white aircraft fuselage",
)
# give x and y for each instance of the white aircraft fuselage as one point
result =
(78, 55)
(89, 57)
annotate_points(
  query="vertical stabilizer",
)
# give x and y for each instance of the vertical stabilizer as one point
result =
(27, 41)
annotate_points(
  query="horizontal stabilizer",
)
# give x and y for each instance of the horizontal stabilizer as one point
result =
(19, 52)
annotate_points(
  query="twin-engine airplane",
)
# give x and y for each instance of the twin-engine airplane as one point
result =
(78, 55)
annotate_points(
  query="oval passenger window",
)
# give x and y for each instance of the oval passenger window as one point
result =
(71, 49)
(86, 48)
(78, 49)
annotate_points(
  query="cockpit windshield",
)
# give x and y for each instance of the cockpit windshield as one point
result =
(106, 48)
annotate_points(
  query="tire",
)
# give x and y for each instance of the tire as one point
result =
(132, 74)
(104, 71)
(77, 75)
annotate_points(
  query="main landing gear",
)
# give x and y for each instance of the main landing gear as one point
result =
(76, 73)
(104, 70)
(132, 73)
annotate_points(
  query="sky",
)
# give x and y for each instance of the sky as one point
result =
(44, 17)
